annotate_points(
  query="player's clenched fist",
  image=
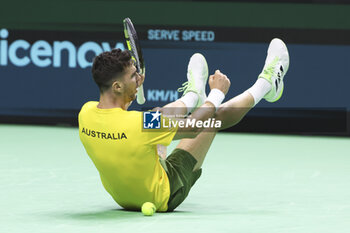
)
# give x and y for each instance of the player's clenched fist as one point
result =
(219, 81)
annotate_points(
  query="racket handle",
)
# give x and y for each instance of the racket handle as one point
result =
(140, 98)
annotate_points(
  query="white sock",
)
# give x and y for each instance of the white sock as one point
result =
(260, 88)
(190, 100)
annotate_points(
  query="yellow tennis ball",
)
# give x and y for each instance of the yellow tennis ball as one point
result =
(148, 208)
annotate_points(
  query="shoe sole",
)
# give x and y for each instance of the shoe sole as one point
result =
(279, 96)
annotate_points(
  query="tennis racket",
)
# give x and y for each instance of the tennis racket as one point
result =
(135, 49)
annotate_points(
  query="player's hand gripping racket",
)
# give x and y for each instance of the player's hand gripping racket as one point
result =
(135, 49)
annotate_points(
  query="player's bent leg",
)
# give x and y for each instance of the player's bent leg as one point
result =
(268, 86)
(183, 166)
(176, 108)
(198, 147)
(190, 153)
(179, 168)
(232, 111)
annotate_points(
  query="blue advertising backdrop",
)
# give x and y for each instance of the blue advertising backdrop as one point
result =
(47, 73)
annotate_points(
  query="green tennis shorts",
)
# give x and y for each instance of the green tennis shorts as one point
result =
(179, 168)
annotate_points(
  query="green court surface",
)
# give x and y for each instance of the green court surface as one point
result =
(250, 183)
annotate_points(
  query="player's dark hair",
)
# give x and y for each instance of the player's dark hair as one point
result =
(108, 66)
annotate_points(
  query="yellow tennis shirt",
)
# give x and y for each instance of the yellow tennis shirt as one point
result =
(125, 155)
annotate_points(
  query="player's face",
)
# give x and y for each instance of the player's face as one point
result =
(131, 83)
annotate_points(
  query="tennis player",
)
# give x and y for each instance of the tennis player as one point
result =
(126, 156)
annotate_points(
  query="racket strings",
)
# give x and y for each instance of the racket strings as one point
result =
(133, 48)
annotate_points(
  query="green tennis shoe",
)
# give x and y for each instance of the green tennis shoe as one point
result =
(197, 76)
(275, 68)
